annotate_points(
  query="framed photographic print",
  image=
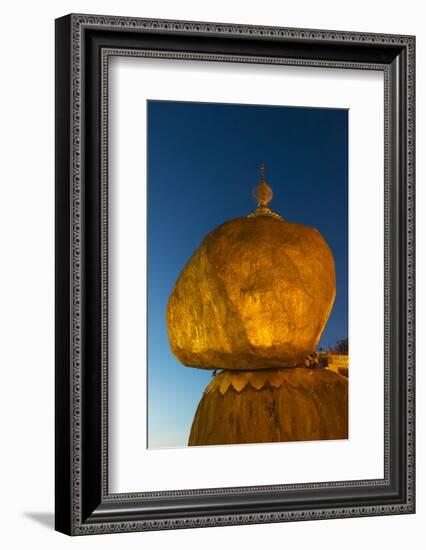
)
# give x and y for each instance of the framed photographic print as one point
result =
(234, 274)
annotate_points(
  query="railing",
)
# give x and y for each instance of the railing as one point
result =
(338, 363)
(341, 360)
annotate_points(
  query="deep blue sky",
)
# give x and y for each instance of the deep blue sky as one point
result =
(203, 163)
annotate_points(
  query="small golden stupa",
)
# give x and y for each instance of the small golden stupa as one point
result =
(253, 300)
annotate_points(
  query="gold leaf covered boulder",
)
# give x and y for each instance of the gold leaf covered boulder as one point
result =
(256, 294)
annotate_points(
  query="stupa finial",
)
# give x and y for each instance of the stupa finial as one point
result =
(263, 195)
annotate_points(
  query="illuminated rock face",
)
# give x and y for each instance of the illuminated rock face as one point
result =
(256, 294)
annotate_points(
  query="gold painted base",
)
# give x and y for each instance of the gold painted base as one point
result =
(264, 406)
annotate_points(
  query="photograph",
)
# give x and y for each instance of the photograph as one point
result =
(247, 230)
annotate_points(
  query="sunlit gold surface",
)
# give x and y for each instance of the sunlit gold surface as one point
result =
(256, 294)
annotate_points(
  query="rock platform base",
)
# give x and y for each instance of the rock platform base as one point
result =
(272, 405)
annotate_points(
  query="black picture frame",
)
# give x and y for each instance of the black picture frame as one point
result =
(83, 504)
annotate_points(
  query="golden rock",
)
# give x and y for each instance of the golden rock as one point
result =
(256, 294)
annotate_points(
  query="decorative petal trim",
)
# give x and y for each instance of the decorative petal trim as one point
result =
(258, 379)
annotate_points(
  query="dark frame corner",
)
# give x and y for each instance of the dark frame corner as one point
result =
(83, 46)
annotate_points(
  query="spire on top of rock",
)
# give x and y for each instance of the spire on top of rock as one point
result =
(263, 195)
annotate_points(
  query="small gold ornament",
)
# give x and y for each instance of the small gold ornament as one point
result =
(263, 195)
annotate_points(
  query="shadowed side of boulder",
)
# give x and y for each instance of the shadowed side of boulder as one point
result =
(303, 405)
